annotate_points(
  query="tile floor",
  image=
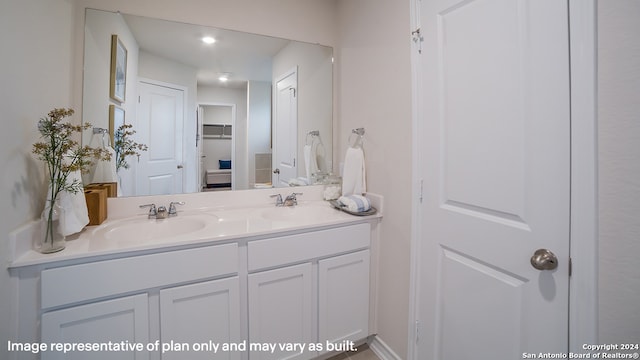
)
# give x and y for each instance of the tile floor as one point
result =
(363, 353)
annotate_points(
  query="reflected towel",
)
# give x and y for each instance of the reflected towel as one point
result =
(320, 153)
(353, 173)
(74, 215)
(299, 181)
(314, 161)
(105, 171)
(307, 161)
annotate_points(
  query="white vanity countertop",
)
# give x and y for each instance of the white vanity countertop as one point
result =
(205, 219)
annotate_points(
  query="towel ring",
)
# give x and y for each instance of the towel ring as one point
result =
(359, 135)
(313, 134)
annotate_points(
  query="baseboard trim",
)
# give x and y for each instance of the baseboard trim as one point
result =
(382, 350)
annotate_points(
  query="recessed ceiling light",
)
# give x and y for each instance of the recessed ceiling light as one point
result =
(208, 40)
(223, 78)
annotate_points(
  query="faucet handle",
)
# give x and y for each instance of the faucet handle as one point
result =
(172, 207)
(152, 210)
(293, 196)
(292, 199)
(278, 197)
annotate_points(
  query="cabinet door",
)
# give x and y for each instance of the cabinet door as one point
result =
(281, 311)
(201, 315)
(119, 320)
(343, 297)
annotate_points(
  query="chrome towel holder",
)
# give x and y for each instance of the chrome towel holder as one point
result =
(359, 137)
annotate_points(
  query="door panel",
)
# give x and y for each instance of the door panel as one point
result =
(343, 306)
(117, 320)
(494, 120)
(199, 313)
(281, 311)
(161, 123)
(286, 129)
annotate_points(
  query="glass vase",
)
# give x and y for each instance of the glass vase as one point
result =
(50, 239)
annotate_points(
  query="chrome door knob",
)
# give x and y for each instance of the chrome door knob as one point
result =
(544, 259)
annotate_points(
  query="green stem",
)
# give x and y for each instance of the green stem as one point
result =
(49, 233)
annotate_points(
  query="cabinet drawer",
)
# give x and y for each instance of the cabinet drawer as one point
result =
(296, 248)
(83, 282)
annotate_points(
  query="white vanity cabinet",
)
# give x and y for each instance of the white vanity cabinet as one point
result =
(309, 288)
(282, 290)
(117, 300)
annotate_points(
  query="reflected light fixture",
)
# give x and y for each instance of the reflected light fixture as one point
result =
(208, 40)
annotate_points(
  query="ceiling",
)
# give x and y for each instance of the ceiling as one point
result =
(242, 56)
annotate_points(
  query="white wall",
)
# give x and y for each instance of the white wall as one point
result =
(97, 67)
(314, 92)
(259, 123)
(374, 84)
(619, 170)
(96, 79)
(35, 79)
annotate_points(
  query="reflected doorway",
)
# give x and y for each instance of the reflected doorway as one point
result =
(217, 149)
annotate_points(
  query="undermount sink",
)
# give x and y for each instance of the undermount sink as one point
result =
(299, 214)
(142, 229)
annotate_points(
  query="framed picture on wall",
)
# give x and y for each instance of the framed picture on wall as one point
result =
(118, 69)
(116, 119)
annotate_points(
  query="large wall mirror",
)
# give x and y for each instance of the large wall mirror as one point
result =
(215, 109)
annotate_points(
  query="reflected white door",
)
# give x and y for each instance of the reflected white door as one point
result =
(160, 126)
(285, 133)
(495, 125)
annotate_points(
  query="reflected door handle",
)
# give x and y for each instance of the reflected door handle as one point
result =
(544, 259)
(180, 166)
(276, 171)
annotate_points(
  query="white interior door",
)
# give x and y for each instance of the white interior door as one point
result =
(494, 125)
(285, 135)
(160, 126)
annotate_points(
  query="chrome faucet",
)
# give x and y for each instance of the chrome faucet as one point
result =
(291, 200)
(278, 197)
(172, 207)
(153, 212)
(161, 212)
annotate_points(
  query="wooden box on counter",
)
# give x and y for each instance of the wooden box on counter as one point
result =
(96, 204)
(111, 187)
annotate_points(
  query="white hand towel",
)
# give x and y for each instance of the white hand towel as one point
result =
(319, 156)
(105, 171)
(74, 215)
(353, 173)
(307, 160)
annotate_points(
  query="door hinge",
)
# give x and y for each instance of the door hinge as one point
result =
(421, 189)
(570, 266)
(417, 330)
(417, 38)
